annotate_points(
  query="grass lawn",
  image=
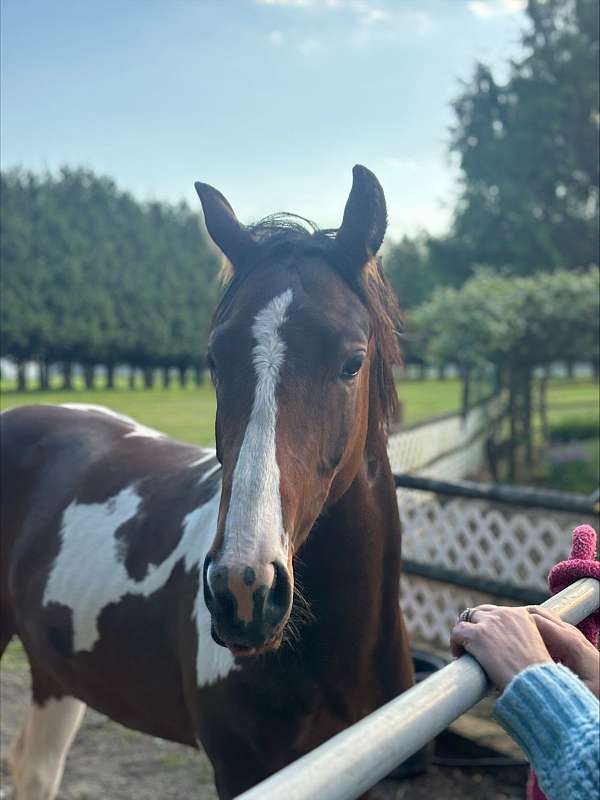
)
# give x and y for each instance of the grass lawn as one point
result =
(568, 401)
(577, 398)
(188, 414)
(424, 399)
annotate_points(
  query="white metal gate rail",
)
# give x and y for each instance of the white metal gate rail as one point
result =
(350, 763)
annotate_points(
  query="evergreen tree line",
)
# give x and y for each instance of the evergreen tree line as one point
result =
(92, 277)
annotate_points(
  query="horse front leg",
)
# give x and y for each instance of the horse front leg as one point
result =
(37, 758)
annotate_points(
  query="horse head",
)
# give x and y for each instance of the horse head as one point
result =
(301, 352)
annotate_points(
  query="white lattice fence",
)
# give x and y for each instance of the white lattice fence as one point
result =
(457, 464)
(506, 545)
(452, 443)
(512, 546)
(517, 547)
(431, 608)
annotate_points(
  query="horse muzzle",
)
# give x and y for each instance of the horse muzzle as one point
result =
(249, 605)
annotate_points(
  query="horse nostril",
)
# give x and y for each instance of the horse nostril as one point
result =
(280, 595)
(215, 579)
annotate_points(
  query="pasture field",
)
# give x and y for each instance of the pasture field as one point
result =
(188, 413)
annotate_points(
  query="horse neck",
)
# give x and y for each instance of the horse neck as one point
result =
(351, 560)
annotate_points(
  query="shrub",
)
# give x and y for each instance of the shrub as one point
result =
(575, 429)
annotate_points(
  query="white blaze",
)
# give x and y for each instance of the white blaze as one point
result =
(254, 526)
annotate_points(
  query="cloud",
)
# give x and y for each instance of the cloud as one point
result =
(396, 25)
(410, 220)
(299, 3)
(422, 21)
(309, 47)
(276, 38)
(377, 15)
(485, 9)
(404, 164)
(433, 217)
(366, 11)
(367, 22)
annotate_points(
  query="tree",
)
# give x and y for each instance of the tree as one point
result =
(407, 267)
(514, 324)
(528, 149)
(91, 276)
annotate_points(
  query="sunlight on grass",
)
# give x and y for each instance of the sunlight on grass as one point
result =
(14, 658)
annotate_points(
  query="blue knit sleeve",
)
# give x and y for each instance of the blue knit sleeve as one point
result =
(556, 720)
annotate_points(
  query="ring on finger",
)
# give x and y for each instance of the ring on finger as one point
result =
(466, 615)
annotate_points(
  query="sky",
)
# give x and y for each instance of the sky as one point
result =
(271, 101)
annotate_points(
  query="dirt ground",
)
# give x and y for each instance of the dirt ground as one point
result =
(109, 762)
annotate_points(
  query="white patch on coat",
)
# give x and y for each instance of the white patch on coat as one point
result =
(88, 573)
(209, 455)
(137, 428)
(204, 458)
(254, 532)
(37, 757)
(209, 473)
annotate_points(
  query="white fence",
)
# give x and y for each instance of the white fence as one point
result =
(501, 546)
(449, 447)
(508, 545)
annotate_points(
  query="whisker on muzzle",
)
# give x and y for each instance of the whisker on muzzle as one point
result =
(301, 615)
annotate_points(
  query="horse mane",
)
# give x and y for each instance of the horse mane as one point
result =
(282, 233)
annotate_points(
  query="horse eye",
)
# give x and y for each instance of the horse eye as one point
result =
(352, 367)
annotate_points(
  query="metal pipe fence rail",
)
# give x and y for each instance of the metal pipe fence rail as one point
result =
(353, 761)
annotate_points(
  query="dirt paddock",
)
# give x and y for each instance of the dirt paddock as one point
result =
(109, 762)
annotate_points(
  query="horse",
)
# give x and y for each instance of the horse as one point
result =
(243, 600)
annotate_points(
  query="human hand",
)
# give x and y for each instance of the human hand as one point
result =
(569, 646)
(504, 640)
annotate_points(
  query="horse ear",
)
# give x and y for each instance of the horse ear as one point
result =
(365, 219)
(224, 228)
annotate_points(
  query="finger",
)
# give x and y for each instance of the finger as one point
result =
(461, 637)
(456, 649)
(486, 613)
(479, 612)
(540, 611)
(486, 607)
(561, 632)
(557, 638)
